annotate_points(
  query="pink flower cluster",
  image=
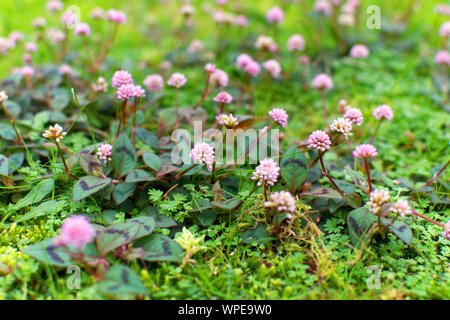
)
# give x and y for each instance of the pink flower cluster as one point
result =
(104, 152)
(116, 16)
(342, 125)
(223, 97)
(296, 42)
(68, 19)
(319, 140)
(365, 151)
(64, 69)
(273, 67)
(210, 67)
(442, 57)
(383, 111)
(267, 172)
(31, 46)
(120, 78)
(203, 153)
(75, 231)
(219, 78)
(282, 201)
(154, 82)
(177, 80)
(275, 15)
(402, 208)
(444, 30)
(82, 29)
(359, 51)
(246, 63)
(279, 115)
(354, 115)
(322, 82)
(128, 91)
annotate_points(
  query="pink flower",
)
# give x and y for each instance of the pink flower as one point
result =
(219, 78)
(223, 97)
(319, 140)
(203, 153)
(324, 7)
(241, 21)
(442, 57)
(446, 232)
(177, 80)
(282, 201)
(82, 29)
(76, 231)
(252, 68)
(322, 82)
(267, 172)
(383, 111)
(116, 16)
(64, 69)
(31, 46)
(104, 152)
(68, 19)
(16, 36)
(359, 51)
(354, 115)
(97, 13)
(296, 42)
(377, 198)
(154, 82)
(365, 151)
(443, 9)
(27, 71)
(196, 46)
(128, 91)
(444, 30)
(402, 208)
(53, 5)
(342, 125)
(273, 67)
(39, 23)
(279, 115)
(120, 78)
(210, 67)
(275, 15)
(265, 43)
(100, 85)
(304, 59)
(55, 35)
(243, 60)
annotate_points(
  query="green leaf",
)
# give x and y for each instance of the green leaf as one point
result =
(36, 194)
(60, 99)
(160, 248)
(147, 137)
(259, 234)
(206, 217)
(294, 168)
(399, 228)
(359, 222)
(323, 193)
(122, 191)
(4, 165)
(138, 175)
(120, 279)
(152, 161)
(228, 204)
(51, 206)
(161, 220)
(13, 108)
(88, 185)
(353, 199)
(124, 156)
(47, 253)
(16, 161)
(90, 164)
(123, 233)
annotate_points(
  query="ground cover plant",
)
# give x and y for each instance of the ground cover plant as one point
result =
(224, 150)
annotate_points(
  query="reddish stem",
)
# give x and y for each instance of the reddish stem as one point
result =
(325, 172)
(366, 167)
(428, 219)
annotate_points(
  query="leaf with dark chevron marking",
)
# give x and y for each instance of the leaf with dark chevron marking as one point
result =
(89, 185)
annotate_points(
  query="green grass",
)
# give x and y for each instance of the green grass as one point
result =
(398, 72)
